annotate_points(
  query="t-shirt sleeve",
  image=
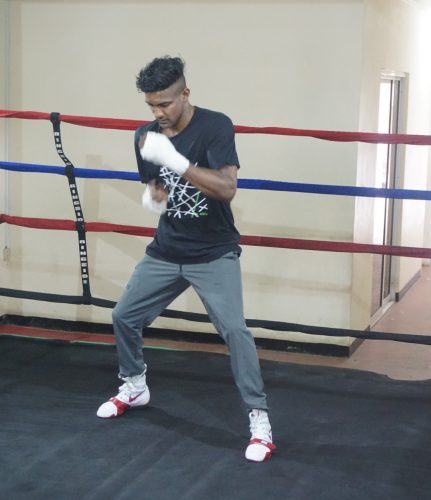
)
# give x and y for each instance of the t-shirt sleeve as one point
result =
(221, 149)
(147, 170)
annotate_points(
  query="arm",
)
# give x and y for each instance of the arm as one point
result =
(155, 197)
(158, 191)
(219, 184)
(147, 170)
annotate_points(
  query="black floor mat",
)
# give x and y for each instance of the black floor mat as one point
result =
(341, 434)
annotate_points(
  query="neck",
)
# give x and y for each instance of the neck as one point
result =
(182, 122)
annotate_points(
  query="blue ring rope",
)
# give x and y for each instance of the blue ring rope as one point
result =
(91, 173)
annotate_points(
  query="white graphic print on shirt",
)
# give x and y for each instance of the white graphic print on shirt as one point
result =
(184, 200)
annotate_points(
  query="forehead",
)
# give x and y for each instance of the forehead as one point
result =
(163, 96)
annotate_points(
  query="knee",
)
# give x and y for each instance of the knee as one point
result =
(123, 316)
(117, 314)
(234, 332)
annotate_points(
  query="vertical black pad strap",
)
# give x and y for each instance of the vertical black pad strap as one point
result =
(79, 216)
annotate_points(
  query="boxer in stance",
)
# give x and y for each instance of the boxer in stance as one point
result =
(187, 159)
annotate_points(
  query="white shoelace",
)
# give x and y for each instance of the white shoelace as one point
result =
(133, 385)
(127, 389)
(260, 427)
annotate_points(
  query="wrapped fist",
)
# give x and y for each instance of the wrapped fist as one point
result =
(158, 149)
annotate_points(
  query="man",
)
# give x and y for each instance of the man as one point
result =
(187, 158)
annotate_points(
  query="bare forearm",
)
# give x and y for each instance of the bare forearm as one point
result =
(217, 184)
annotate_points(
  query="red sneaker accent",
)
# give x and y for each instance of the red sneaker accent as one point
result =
(121, 407)
(271, 446)
(132, 398)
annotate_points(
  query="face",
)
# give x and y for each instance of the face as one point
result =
(168, 106)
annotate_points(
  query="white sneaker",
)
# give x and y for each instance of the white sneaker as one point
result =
(134, 392)
(260, 447)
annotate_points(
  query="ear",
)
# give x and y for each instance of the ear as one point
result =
(185, 94)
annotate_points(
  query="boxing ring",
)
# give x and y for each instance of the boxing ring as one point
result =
(340, 433)
(81, 226)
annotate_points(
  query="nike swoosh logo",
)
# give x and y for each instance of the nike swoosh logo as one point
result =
(131, 399)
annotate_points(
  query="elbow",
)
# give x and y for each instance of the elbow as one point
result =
(229, 193)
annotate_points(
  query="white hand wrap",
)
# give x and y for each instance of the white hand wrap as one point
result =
(159, 149)
(158, 207)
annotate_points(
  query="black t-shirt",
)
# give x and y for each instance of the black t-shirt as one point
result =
(194, 229)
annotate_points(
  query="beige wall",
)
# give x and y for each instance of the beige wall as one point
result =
(4, 125)
(396, 38)
(284, 63)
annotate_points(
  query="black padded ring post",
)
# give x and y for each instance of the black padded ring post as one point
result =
(79, 216)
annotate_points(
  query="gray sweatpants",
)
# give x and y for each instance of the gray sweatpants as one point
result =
(154, 284)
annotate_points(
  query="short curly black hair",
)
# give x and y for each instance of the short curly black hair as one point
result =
(160, 74)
